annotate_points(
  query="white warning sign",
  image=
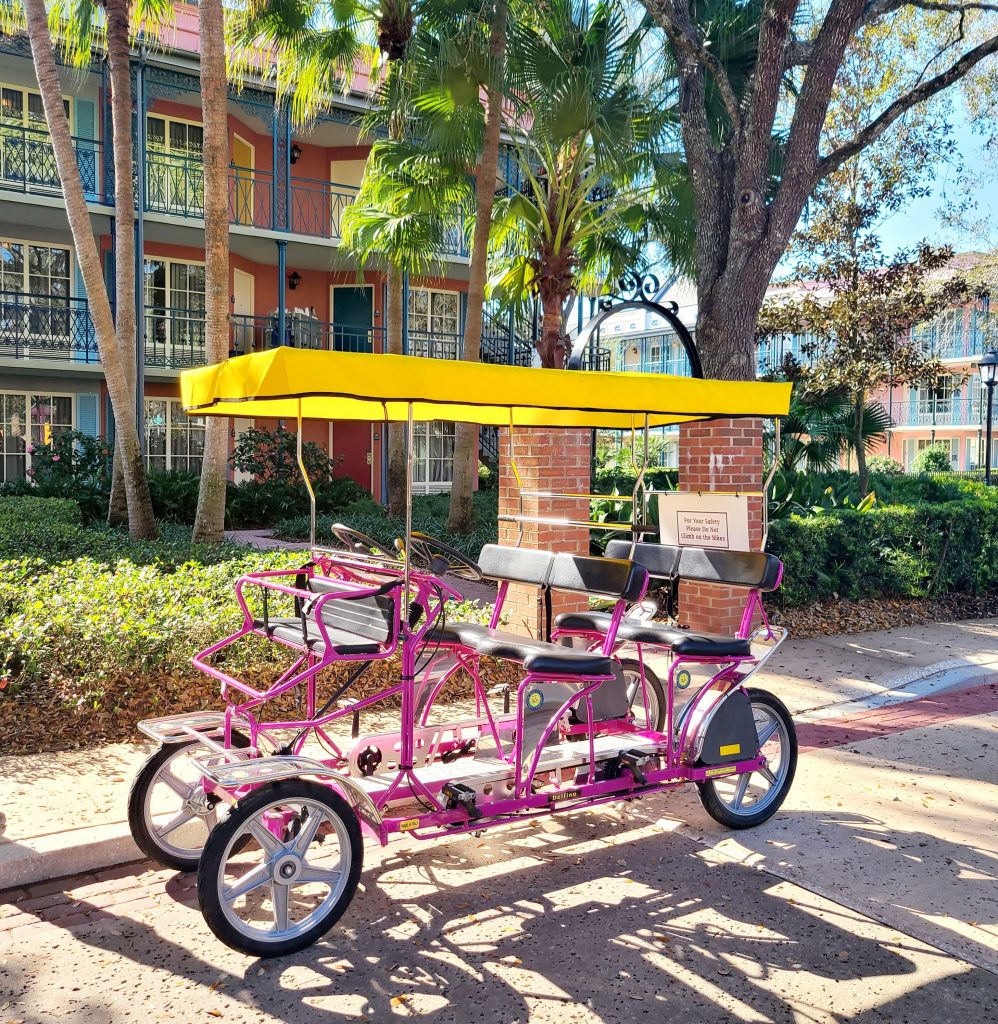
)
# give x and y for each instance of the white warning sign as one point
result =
(704, 520)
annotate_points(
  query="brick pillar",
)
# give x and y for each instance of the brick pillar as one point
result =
(720, 455)
(547, 460)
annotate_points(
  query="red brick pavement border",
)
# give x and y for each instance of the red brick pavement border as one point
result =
(912, 714)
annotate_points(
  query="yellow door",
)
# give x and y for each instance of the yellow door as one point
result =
(243, 322)
(243, 155)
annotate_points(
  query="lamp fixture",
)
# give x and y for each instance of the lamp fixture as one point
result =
(295, 153)
(294, 280)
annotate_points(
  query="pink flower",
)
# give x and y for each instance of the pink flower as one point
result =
(31, 449)
(30, 472)
(55, 458)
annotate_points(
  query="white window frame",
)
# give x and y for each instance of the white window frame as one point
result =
(168, 344)
(27, 396)
(174, 414)
(422, 461)
(429, 332)
(27, 243)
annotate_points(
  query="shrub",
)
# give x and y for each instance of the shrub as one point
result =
(933, 458)
(272, 457)
(884, 465)
(71, 459)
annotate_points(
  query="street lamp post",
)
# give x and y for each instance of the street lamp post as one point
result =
(988, 368)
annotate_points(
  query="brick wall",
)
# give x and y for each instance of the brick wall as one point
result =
(547, 460)
(721, 455)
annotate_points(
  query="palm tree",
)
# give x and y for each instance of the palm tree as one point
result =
(115, 341)
(594, 152)
(313, 46)
(209, 520)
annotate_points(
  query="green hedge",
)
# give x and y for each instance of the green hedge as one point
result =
(918, 550)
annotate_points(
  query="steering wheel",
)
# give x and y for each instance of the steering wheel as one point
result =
(358, 543)
(432, 555)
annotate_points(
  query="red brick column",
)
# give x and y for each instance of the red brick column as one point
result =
(547, 460)
(720, 455)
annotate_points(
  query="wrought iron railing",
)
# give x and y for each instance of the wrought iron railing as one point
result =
(939, 412)
(46, 327)
(174, 338)
(27, 162)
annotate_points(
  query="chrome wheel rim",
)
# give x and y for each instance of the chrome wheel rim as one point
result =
(632, 677)
(751, 792)
(278, 886)
(177, 811)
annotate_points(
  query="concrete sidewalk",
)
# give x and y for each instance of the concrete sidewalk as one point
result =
(65, 813)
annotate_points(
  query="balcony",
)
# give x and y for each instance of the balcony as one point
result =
(939, 412)
(27, 163)
(46, 327)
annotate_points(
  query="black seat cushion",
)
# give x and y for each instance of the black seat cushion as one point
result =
(343, 642)
(568, 663)
(682, 641)
(467, 634)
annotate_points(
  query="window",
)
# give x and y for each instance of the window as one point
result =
(174, 294)
(433, 457)
(175, 167)
(34, 291)
(434, 322)
(174, 440)
(943, 336)
(27, 420)
(25, 152)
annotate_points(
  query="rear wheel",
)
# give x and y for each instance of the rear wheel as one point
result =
(169, 812)
(281, 869)
(654, 690)
(741, 801)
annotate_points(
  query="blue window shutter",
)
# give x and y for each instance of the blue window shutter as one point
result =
(82, 335)
(87, 413)
(86, 148)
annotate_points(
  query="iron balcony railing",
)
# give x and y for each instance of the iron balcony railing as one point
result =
(46, 327)
(27, 162)
(939, 412)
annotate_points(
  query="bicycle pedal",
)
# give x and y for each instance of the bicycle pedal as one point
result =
(460, 795)
(634, 761)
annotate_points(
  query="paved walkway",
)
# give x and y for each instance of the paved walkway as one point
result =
(868, 898)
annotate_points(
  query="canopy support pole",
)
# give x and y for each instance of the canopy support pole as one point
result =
(409, 460)
(769, 479)
(638, 508)
(308, 484)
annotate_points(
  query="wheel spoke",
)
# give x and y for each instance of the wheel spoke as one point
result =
(308, 832)
(210, 819)
(767, 734)
(328, 876)
(175, 822)
(265, 837)
(767, 774)
(260, 875)
(279, 894)
(181, 788)
(743, 784)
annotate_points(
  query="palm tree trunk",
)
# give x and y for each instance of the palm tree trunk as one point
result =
(396, 435)
(859, 405)
(141, 522)
(550, 345)
(460, 518)
(209, 522)
(125, 313)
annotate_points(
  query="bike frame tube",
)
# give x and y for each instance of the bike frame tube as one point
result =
(308, 483)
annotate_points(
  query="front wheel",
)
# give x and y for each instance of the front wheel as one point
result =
(654, 718)
(169, 812)
(281, 869)
(741, 801)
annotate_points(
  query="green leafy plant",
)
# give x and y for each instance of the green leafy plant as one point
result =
(271, 456)
(933, 458)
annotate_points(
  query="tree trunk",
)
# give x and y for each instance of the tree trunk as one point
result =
(209, 522)
(396, 431)
(140, 515)
(551, 344)
(461, 515)
(117, 505)
(859, 406)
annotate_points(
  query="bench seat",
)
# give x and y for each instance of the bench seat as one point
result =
(681, 641)
(289, 630)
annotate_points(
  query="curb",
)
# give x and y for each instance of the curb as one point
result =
(66, 853)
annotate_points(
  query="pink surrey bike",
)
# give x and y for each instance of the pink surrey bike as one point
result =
(588, 722)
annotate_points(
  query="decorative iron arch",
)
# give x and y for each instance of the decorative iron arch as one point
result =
(643, 289)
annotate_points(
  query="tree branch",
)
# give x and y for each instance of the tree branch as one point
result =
(674, 17)
(919, 94)
(878, 8)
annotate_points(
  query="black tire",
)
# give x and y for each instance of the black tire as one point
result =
(719, 809)
(656, 689)
(138, 822)
(220, 846)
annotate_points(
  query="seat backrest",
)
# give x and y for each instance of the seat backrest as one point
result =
(370, 617)
(660, 560)
(615, 578)
(518, 565)
(754, 569)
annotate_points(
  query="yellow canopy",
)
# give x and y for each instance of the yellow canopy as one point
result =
(287, 382)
